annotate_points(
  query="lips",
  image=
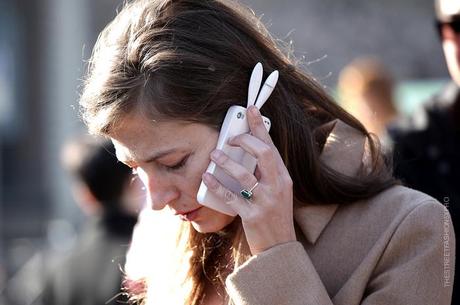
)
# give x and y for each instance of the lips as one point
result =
(188, 216)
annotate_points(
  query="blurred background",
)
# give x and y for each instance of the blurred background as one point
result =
(43, 48)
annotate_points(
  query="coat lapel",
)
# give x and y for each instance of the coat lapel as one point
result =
(343, 152)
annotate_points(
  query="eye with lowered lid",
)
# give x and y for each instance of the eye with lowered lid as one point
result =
(166, 164)
(178, 165)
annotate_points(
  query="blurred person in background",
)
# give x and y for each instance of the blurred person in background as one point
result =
(105, 191)
(327, 223)
(427, 144)
(365, 89)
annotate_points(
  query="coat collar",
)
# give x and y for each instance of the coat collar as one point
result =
(342, 152)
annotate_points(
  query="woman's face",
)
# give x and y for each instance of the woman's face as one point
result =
(169, 158)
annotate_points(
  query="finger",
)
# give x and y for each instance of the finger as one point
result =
(265, 154)
(258, 129)
(227, 196)
(257, 126)
(234, 169)
(257, 173)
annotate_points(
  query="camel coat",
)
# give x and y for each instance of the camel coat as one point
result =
(396, 248)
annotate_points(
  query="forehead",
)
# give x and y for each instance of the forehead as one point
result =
(137, 137)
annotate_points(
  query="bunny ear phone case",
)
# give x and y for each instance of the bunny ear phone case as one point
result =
(235, 123)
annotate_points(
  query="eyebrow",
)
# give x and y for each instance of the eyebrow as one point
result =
(157, 155)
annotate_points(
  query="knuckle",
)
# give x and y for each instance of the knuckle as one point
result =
(266, 152)
(268, 140)
(246, 179)
(244, 137)
(258, 122)
(288, 181)
(235, 139)
(222, 158)
(229, 196)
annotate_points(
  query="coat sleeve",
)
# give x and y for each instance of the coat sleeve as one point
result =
(416, 267)
(283, 274)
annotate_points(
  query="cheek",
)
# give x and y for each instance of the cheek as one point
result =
(199, 164)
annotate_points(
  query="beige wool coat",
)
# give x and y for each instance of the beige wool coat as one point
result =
(396, 248)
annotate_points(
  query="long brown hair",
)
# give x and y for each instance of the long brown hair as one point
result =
(191, 60)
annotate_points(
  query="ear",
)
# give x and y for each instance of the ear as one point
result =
(85, 199)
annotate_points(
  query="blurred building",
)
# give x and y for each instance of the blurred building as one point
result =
(43, 45)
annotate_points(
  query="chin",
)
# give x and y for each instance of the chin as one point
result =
(206, 227)
(214, 224)
(202, 229)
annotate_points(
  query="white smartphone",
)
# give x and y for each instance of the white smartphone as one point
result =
(235, 123)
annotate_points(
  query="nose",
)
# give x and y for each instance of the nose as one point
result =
(161, 190)
(159, 198)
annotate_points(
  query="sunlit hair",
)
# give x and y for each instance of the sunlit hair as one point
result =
(191, 60)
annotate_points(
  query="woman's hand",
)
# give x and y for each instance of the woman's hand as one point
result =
(268, 216)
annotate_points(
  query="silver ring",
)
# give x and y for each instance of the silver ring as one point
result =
(247, 194)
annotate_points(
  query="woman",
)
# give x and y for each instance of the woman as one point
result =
(327, 223)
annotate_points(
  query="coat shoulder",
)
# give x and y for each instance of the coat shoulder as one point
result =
(399, 200)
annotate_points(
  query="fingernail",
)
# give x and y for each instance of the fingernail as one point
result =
(209, 180)
(216, 154)
(254, 110)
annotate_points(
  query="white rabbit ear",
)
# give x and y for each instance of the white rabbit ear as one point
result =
(267, 89)
(254, 83)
